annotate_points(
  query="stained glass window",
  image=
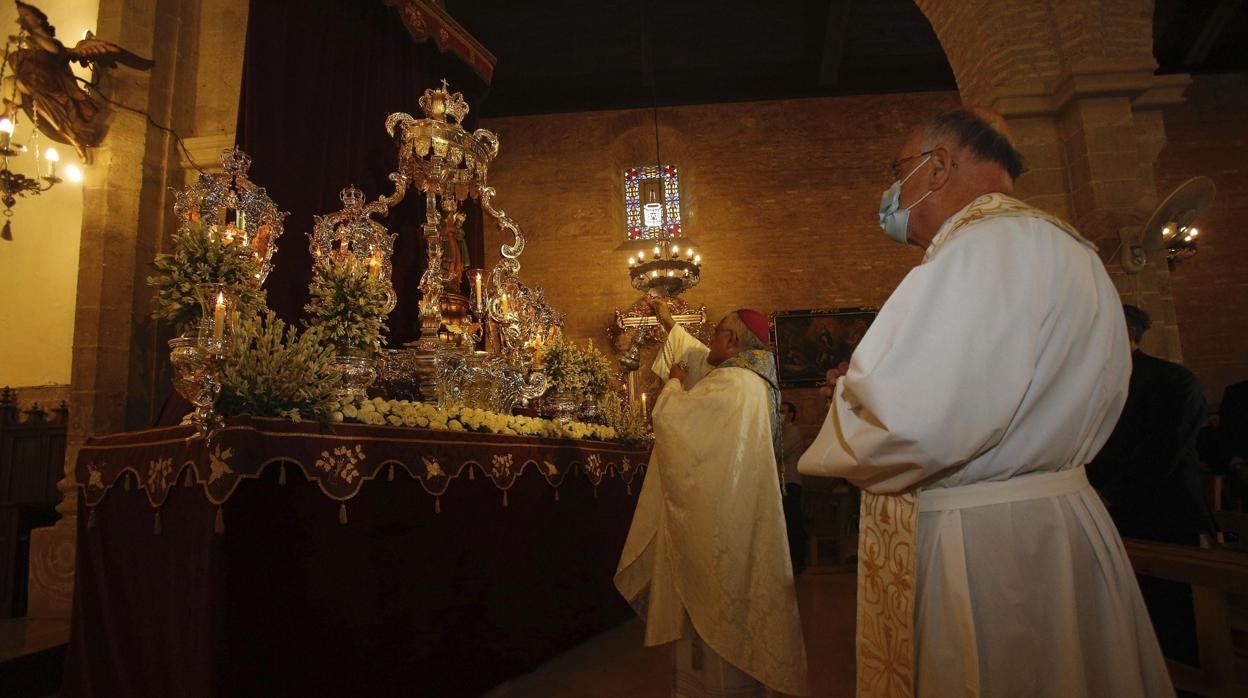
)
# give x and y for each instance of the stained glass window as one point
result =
(652, 202)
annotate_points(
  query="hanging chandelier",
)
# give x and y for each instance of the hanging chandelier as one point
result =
(14, 184)
(668, 271)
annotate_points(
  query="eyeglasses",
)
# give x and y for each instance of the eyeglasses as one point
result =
(895, 168)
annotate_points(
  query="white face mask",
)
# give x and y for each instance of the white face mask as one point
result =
(895, 220)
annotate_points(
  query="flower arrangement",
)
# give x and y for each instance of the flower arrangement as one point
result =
(348, 306)
(379, 411)
(271, 370)
(573, 370)
(598, 370)
(628, 421)
(198, 255)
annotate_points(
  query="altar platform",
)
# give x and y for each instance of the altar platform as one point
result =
(296, 559)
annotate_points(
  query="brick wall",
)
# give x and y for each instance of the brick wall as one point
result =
(1208, 135)
(780, 198)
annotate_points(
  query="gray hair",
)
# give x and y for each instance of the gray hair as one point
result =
(746, 338)
(973, 132)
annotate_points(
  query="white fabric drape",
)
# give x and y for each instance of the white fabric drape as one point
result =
(708, 536)
(1004, 354)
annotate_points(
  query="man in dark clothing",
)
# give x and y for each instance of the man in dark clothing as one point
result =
(1149, 475)
(1225, 446)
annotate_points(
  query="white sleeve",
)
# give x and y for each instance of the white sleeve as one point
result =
(680, 347)
(941, 372)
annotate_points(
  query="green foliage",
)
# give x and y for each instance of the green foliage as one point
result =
(598, 370)
(348, 307)
(270, 370)
(627, 420)
(198, 257)
(573, 369)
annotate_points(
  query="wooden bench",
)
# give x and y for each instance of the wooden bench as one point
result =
(1215, 576)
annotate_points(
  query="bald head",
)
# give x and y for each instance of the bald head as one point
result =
(969, 154)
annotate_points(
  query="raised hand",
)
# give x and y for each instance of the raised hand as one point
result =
(663, 311)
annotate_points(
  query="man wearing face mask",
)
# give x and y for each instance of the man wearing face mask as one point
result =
(994, 372)
(706, 562)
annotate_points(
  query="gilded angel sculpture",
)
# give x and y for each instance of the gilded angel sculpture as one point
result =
(39, 80)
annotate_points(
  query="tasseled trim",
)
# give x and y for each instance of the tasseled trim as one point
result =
(281, 474)
(470, 475)
(628, 488)
(125, 480)
(91, 518)
(342, 513)
(156, 524)
(504, 497)
(390, 477)
(437, 505)
(219, 525)
(556, 494)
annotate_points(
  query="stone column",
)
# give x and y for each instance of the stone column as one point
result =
(1074, 78)
(127, 212)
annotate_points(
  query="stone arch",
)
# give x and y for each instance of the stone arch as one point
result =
(1075, 80)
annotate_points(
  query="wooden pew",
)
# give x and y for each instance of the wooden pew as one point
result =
(1214, 576)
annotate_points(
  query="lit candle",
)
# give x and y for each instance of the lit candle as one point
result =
(218, 317)
(632, 262)
(476, 282)
(52, 157)
(645, 408)
(506, 303)
(374, 266)
(675, 250)
(697, 259)
(6, 132)
(240, 219)
(656, 251)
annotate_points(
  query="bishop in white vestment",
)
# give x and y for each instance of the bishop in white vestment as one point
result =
(994, 372)
(706, 562)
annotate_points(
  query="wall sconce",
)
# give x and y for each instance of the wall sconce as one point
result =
(1170, 227)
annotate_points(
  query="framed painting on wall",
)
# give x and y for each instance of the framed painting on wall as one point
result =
(809, 342)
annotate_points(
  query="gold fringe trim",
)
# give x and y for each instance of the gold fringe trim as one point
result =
(219, 525)
(281, 474)
(437, 505)
(504, 497)
(156, 524)
(342, 513)
(390, 477)
(470, 474)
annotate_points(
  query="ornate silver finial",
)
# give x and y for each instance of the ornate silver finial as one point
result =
(440, 104)
(235, 161)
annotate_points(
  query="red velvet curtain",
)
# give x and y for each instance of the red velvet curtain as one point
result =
(319, 79)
